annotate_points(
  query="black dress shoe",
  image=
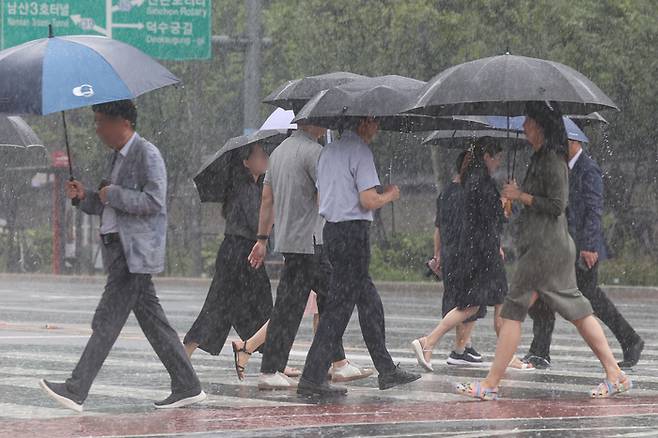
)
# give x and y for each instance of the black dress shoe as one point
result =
(60, 393)
(178, 400)
(308, 388)
(632, 354)
(396, 377)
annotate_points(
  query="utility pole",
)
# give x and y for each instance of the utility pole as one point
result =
(252, 44)
(252, 67)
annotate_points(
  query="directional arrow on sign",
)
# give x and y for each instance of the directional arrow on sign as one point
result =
(139, 26)
(79, 19)
(124, 6)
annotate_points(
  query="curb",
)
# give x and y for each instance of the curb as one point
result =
(412, 287)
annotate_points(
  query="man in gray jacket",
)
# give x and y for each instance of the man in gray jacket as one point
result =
(131, 202)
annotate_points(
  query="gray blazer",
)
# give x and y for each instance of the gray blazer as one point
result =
(139, 199)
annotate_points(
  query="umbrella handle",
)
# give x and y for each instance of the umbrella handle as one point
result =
(75, 201)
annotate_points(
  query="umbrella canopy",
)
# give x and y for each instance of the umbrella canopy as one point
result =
(588, 120)
(294, 94)
(213, 180)
(502, 85)
(280, 119)
(516, 125)
(16, 133)
(62, 73)
(461, 139)
(382, 98)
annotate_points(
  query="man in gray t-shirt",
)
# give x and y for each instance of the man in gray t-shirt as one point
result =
(291, 176)
(290, 201)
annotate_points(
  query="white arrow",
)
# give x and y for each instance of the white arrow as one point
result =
(77, 20)
(133, 4)
(139, 26)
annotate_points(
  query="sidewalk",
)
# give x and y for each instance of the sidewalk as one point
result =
(403, 287)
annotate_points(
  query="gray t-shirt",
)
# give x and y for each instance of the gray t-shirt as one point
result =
(346, 167)
(292, 175)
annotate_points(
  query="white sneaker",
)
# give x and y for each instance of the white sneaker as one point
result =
(293, 383)
(349, 372)
(274, 381)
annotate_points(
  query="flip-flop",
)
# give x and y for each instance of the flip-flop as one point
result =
(475, 390)
(608, 389)
(418, 350)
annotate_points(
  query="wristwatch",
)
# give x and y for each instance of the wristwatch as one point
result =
(262, 237)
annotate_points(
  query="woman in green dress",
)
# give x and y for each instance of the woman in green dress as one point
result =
(547, 256)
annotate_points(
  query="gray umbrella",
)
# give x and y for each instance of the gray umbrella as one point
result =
(294, 94)
(382, 98)
(16, 133)
(502, 85)
(588, 120)
(214, 180)
(461, 139)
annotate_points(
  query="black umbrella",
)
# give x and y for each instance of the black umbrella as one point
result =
(16, 133)
(214, 178)
(502, 85)
(294, 94)
(382, 98)
(461, 139)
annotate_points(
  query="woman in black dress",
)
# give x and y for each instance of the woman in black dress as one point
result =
(239, 296)
(481, 279)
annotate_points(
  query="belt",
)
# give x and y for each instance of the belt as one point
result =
(110, 238)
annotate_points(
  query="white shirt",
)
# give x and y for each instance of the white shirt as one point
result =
(109, 216)
(572, 162)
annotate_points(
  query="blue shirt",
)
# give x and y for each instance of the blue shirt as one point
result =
(346, 167)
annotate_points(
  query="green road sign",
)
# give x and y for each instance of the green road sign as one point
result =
(165, 29)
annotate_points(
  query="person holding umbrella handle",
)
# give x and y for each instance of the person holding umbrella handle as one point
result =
(133, 232)
(547, 256)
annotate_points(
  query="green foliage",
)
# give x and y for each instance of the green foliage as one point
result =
(633, 270)
(402, 258)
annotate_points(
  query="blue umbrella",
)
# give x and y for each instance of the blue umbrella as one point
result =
(57, 74)
(516, 125)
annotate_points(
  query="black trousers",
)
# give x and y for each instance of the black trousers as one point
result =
(126, 292)
(348, 248)
(301, 273)
(239, 297)
(544, 318)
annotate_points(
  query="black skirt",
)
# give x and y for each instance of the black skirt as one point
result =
(483, 281)
(239, 297)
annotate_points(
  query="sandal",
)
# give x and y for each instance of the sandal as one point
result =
(239, 369)
(518, 364)
(292, 372)
(475, 390)
(418, 349)
(608, 389)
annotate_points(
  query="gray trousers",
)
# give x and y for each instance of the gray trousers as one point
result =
(126, 292)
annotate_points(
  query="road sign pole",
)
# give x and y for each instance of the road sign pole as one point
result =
(108, 18)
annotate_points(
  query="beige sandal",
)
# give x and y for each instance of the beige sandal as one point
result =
(608, 389)
(475, 390)
(419, 351)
